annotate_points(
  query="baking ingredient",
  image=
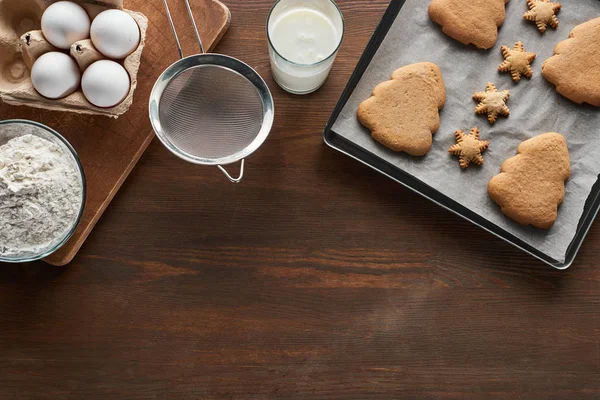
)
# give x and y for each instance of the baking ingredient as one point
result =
(40, 194)
(55, 75)
(115, 34)
(105, 83)
(304, 38)
(64, 23)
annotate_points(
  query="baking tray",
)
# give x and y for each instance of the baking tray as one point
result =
(347, 147)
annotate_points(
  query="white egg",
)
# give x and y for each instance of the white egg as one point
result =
(64, 23)
(55, 75)
(115, 34)
(105, 83)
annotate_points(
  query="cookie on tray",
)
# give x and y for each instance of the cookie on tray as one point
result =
(575, 69)
(492, 102)
(469, 148)
(470, 21)
(543, 13)
(531, 184)
(403, 113)
(517, 61)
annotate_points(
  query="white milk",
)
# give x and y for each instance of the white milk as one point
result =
(303, 38)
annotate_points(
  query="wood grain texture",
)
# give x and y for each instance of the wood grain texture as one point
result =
(316, 278)
(109, 149)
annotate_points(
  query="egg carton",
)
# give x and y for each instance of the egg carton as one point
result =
(22, 42)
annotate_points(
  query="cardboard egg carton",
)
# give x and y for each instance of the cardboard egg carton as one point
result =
(21, 43)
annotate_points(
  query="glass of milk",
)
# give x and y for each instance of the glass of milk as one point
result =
(304, 37)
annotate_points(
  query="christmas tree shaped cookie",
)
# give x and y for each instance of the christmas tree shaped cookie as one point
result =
(470, 21)
(403, 113)
(531, 185)
(575, 66)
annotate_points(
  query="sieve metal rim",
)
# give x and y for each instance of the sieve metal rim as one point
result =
(217, 60)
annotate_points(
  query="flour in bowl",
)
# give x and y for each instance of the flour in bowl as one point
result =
(40, 195)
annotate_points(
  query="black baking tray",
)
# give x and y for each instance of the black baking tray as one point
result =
(347, 147)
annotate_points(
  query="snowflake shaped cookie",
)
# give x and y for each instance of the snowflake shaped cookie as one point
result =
(468, 148)
(517, 61)
(492, 102)
(543, 13)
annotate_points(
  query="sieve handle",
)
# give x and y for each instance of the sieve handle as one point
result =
(191, 15)
(232, 179)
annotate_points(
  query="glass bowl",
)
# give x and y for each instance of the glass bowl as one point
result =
(51, 135)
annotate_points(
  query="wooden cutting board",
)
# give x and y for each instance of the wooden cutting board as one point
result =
(109, 148)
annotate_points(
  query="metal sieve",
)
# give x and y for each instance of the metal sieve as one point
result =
(210, 109)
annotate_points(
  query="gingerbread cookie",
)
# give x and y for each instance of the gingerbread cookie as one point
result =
(470, 21)
(574, 68)
(531, 185)
(543, 13)
(492, 102)
(517, 61)
(403, 113)
(468, 148)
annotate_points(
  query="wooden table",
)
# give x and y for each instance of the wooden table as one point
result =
(316, 278)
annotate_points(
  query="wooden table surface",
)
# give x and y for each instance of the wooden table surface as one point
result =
(316, 278)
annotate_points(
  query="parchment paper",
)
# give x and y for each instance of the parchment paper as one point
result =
(534, 104)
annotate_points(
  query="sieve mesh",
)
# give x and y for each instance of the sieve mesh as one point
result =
(211, 112)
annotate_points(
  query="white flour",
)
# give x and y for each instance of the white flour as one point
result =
(40, 194)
